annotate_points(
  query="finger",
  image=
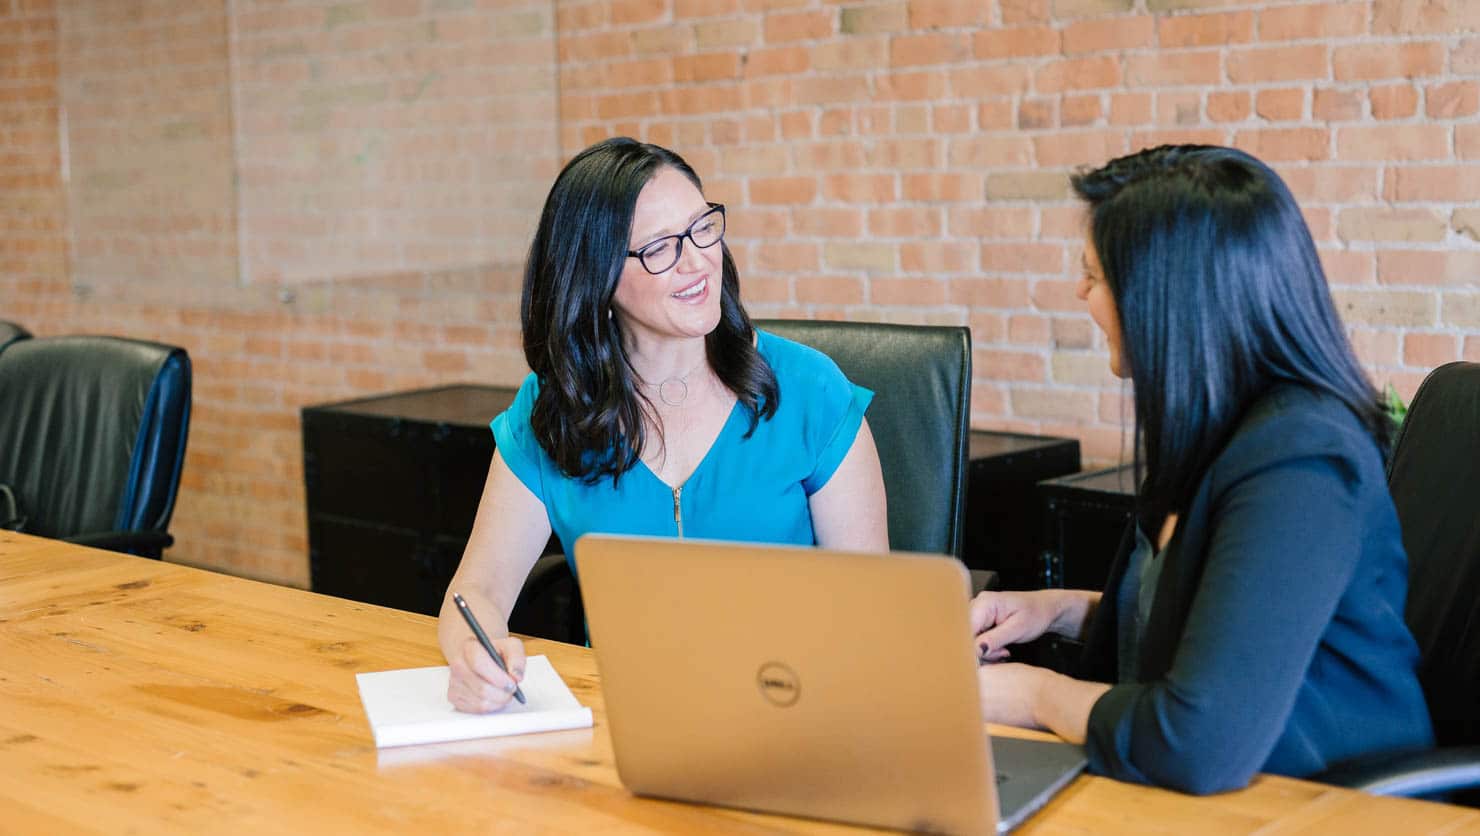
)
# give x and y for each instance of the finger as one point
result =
(473, 695)
(982, 608)
(513, 650)
(482, 666)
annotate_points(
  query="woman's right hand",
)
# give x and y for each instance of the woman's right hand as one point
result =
(999, 619)
(475, 684)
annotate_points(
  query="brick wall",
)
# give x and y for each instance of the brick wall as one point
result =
(884, 159)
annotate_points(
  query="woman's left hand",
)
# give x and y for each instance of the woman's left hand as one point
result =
(1009, 693)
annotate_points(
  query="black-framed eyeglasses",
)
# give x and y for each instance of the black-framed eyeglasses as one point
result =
(661, 254)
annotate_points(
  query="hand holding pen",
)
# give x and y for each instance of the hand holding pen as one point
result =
(484, 678)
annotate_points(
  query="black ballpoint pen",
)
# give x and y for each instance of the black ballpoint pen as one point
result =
(467, 614)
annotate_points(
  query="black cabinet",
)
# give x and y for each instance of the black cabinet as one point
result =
(1003, 529)
(393, 483)
(1085, 515)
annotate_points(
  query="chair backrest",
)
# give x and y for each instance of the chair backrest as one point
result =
(1434, 477)
(920, 417)
(11, 332)
(92, 432)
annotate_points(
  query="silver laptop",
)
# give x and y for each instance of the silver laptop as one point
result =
(801, 681)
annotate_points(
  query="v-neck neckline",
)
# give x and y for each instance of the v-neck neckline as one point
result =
(708, 454)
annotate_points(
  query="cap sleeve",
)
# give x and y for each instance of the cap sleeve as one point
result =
(514, 439)
(840, 404)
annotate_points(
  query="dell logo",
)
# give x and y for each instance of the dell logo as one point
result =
(779, 684)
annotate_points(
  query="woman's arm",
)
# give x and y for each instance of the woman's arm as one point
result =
(509, 532)
(850, 511)
(1283, 545)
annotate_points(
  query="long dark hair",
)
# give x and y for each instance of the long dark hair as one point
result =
(1220, 296)
(588, 415)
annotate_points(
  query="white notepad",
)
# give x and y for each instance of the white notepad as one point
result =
(410, 706)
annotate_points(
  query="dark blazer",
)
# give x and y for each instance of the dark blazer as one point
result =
(1276, 639)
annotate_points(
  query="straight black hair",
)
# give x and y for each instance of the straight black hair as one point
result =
(1220, 295)
(588, 414)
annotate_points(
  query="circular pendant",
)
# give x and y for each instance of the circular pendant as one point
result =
(673, 391)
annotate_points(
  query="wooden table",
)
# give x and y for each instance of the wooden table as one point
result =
(139, 696)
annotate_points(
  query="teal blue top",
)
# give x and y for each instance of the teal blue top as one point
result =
(752, 489)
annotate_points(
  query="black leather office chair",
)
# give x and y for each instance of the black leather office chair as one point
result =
(920, 417)
(921, 378)
(11, 332)
(92, 437)
(1433, 476)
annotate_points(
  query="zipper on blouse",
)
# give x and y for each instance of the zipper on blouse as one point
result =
(678, 510)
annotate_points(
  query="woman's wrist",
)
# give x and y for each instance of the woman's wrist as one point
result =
(1072, 609)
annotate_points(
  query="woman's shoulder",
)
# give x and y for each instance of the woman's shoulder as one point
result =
(1297, 422)
(790, 358)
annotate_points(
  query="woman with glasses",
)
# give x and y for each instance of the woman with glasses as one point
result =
(653, 407)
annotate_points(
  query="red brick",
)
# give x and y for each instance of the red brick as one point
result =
(1281, 105)
(950, 118)
(1456, 268)
(856, 53)
(1313, 21)
(783, 190)
(979, 292)
(787, 60)
(1173, 67)
(1079, 74)
(953, 186)
(1429, 350)
(1281, 63)
(997, 364)
(990, 151)
(934, 48)
(1079, 111)
(990, 222)
(1206, 29)
(859, 188)
(1393, 101)
(1035, 114)
(1368, 62)
(1078, 148)
(637, 11)
(707, 67)
(904, 222)
(910, 86)
(1179, 107)
(990, 80)
(911, 291)
(1333, 183)
(1280, 144)
(1393, 142)
(938, 257)
(937, 14)
(1453, 100)
(781, 27)
(828, 222)
(1230, 106)
(1449, 183)
(1022, 258)
(836, 290)
(1130, 108)
(1407, 17)
(1019, 42)
(1109, 34)
(1330, 105)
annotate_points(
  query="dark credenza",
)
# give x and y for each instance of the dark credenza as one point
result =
(393, 483)
(1003, 530)
(1085, 515)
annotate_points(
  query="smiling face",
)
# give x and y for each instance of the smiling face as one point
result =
(684, 300)
(1095, 291)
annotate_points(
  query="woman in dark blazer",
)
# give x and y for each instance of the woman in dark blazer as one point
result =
(1253, 619)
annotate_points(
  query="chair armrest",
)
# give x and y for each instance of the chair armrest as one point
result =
(143, 543)
(1415, 773)
(548, 571)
